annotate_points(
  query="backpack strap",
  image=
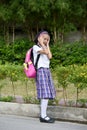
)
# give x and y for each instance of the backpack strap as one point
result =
(38, 56)
(37, 61)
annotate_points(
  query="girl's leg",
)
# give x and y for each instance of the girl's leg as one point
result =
(44, 104)
(43, 116)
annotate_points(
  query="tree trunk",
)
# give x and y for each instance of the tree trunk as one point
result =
(84, 34)
(13, 33)
(77, 91)
(55, 35)
(4, 32)
(7, 35)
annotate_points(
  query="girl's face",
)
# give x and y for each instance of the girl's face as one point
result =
(45, 38)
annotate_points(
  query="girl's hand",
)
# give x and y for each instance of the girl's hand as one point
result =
(48, 44)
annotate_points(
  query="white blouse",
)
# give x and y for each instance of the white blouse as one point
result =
(43, 60)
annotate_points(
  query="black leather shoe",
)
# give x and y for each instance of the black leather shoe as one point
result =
(51, 120)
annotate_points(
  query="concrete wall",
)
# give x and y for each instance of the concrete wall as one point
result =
(74, 36)
(32, 110)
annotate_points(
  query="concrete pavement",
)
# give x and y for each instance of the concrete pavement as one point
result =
(11, 122)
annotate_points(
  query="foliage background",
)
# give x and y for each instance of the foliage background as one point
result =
(28, 17)
(63, 54)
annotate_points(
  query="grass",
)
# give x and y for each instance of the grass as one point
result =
(21, 90)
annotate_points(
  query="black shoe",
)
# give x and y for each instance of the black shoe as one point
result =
(51, 120)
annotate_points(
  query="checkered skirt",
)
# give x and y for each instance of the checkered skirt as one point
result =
(44, 84)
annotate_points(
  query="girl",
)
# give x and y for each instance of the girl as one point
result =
(44, 83)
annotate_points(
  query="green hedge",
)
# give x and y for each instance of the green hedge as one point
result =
(63, 54)
(15, 52)
(68, 54)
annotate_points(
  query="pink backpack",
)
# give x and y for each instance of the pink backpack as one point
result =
(29, 67)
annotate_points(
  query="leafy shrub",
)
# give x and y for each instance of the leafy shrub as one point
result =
(15, 53)
(76, 74)
(11, 70)
(31, 100)
(68, 54)
(64, 54)
(6, 99)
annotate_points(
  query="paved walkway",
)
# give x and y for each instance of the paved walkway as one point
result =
(26, 123)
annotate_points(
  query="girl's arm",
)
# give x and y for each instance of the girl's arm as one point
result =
(49, 52)
(45, 48)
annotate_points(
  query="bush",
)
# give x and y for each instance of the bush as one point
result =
(68, 54)
(63, 54)
(31, 100)
(12, 71)
(76, 74)
(6, 99)
(15, 53)
(63, 77)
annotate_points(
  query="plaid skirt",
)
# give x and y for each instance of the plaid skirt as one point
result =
(44, 84)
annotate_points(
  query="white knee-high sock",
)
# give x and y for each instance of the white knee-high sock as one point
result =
(44, 104)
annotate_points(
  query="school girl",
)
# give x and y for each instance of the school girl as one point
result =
(44, 82)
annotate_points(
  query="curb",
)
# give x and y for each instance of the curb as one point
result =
(32, 110)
